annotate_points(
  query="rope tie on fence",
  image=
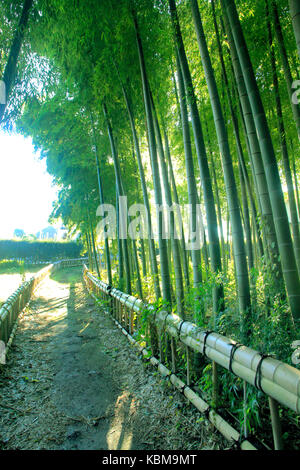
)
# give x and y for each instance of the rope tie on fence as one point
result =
(155, 313)
(142, 355)
(234, 347)
(236, 445)
(179, 329)
(183, 388)
(119, 299)
(165, 322)
(134, 302)
(206, 412)
(207, 333)
(109, 289)
(258, 374)
(169, 376)
(5, 308)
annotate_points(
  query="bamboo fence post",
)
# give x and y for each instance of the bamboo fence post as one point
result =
(159, 344)
(126, 323)
(173, 355)
(215, 395)
(245, 408)
(187, 353)
(130, 321)
(276, 425)
(112, 304)
(119, 311)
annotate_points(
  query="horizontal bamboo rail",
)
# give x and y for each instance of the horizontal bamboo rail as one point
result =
(279, 381)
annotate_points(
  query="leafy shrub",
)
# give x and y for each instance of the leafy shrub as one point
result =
(33, 251)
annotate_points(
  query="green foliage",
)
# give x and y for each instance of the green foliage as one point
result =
(75, 57)
(18, 267)
(38, 250)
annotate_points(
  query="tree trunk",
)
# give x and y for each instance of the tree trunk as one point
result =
(89, 251)
(101, 198)
(179, 217)
(164, 265)
(93, 247)
(211, 217)
(11, 65)
(120, 193)
(190, 174)
(230, 184)
(271, 249)
(283, 143)
(153, 260)
(296, 181)
(286, 67)
(143, 257)
(120, 248)
(171, 222)
(295, 15)
(286, 250)
(137, 269)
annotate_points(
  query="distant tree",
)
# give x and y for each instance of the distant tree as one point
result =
(31, 236)
(19, 233)
(9, 74)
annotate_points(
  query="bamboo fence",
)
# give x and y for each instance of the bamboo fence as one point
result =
(278, 380)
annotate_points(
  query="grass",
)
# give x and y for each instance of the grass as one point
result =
(18, 267)
(67, 276)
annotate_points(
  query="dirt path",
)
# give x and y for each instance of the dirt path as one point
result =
(73, 382)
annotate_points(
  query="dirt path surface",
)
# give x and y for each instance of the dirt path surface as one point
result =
(72, 381)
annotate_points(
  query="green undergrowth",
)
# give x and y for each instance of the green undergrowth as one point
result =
(68, 275)
(18, 267)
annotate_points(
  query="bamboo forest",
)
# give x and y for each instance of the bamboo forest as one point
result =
(171, 129)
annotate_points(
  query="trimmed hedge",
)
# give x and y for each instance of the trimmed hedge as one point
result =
(38, 250)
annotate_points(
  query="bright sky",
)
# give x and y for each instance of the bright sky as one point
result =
(26, 190)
